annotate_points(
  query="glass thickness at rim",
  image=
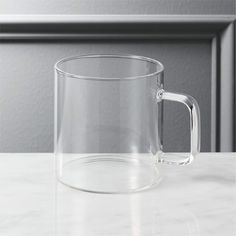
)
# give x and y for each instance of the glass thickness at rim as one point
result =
(121, 56)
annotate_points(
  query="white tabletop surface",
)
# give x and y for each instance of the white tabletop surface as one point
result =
(198, 199)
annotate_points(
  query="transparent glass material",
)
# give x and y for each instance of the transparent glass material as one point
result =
(109, 121)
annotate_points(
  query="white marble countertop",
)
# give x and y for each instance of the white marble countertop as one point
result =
(199, 199)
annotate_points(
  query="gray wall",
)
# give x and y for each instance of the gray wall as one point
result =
(117, 7)
(27, 88)
(26, 91)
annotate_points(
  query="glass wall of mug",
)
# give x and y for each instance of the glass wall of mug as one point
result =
(109, 121)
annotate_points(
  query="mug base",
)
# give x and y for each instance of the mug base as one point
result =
(109, 173)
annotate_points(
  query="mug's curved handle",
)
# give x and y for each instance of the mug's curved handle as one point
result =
(195, 128)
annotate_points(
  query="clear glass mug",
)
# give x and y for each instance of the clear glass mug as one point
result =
(109, 122)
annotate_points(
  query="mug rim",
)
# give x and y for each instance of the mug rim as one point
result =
(127, 56)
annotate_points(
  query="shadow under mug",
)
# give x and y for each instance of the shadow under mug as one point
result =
(109, 123)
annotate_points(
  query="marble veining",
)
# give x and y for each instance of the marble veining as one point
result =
(194, 200)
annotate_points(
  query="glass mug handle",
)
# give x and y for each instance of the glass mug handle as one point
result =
(195, 128)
